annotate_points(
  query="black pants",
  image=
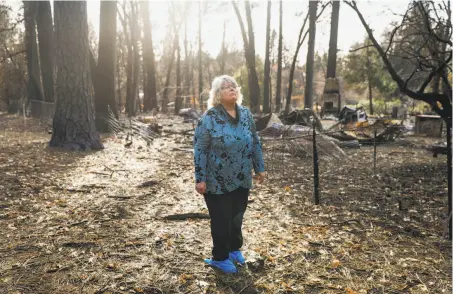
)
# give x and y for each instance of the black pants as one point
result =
(226, 212)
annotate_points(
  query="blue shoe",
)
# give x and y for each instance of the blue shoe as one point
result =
(225, 265)
(236, 256)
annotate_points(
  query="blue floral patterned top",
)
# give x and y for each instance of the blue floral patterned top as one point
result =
(226, 149)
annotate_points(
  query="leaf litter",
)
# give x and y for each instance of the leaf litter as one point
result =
(103, 222)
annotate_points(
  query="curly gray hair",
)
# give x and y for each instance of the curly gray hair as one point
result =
(217, 83)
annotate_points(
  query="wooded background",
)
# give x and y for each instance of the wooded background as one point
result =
(58, 69)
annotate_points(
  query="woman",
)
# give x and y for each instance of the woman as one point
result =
(226, 148)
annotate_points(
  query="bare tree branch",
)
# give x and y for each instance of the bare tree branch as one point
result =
(410, 77)
(241, 24)
(13, 27)
(433, 73)
(299, 40)
(430, 98)
(428, 26)
(394, 31)
(322, 9)
(11, 55)
(360, 48)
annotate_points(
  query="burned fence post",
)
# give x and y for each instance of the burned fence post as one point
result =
(374, 152)
(315, 168)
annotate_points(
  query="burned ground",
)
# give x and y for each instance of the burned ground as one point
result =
(97, 222)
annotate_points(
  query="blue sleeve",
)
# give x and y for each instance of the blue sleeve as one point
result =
(201, 144)
(257, 153)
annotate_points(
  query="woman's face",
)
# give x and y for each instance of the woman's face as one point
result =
(228, 93)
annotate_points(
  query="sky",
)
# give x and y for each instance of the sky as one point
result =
(379, 14)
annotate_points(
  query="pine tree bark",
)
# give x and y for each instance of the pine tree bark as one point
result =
(450, 174)
(332, 58)
(46, 48)
(120, 65)
(312, 8)
(193, 86)
(129, 61)
(146, 104)
(135, 33)
(278, 91)
(266, 94)
(34, 89)
(200, 72)
(105, 70)
(167, 80)
(149, 59)
(178, 74)
(73, 124)
(186, 70)
(249, 52)
(253, 77)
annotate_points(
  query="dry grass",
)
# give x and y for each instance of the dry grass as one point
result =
(79, 223)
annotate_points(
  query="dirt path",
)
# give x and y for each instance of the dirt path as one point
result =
(81, 223)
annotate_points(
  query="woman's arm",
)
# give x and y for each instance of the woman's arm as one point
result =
(201, 144)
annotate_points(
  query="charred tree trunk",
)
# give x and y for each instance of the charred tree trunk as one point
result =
(118, 78)
(208, 69)
(149, 58)
(289, 91)
(332, 58)
(253, 77)
(144, 81)
(129, 73)
(290, 82)
(127, 29)
(73, 124)
(121, 66)
(105, 70)
(200, 72)
(193, 86)
(312, 7)
(186, 71)
(449, 167)
(178, 74)
(34, 78)
(278, 91)
(266, 100)
(167, 81)
(135, 33)
(46, 48)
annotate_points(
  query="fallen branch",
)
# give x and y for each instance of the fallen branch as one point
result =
(78, 223)
(58, 269)
(148, 184)
(79, 244)
(120, 197)
(190, 252)
(78, 190)
(185, 216)
(182, 149)
(346, 222)
(242, 290)
(99, 173)
(114, 170)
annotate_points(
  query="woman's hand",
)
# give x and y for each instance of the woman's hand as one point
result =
(201, 187)
(261, 177)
